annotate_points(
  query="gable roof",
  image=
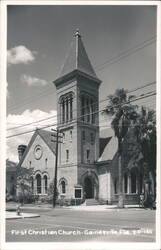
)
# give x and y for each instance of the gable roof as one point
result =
(103, 143)
(77, 60)
(46, 137)
(108, 145)
(110, 150)
(131, 153)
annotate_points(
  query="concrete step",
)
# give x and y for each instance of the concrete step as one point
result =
(91, 202)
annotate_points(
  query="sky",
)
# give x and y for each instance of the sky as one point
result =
(119, 40)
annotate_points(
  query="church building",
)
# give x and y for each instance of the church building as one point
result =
(87, 163)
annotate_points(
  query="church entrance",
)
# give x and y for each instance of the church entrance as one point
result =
(88, 188)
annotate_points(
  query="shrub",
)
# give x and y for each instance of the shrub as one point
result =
(76, 202)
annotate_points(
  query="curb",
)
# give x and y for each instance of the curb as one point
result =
(23, 216)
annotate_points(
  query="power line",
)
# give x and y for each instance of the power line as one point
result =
(128, 50)
(103, 100)
(141, 87)
(101, 125)
(132, 90)
(23, 125)
(123, 55)
(110, 61)
(56, 124)
(56, 116)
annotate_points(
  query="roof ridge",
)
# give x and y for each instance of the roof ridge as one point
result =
(27, 148)
(45, 139)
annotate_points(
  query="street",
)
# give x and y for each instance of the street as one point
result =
(60, 225)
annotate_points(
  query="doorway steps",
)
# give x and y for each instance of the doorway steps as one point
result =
(91, 202)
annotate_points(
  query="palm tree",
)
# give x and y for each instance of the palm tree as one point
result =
(146, 135)
(123, 114)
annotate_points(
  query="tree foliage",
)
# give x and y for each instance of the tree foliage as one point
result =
(125, 117)
(24, 187)
(146, 135)
(122, 112)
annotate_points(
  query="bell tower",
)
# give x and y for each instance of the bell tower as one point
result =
(77, 115)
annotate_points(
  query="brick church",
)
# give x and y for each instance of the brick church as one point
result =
(87, 163)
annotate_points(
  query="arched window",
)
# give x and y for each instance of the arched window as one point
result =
(115, 186)
(88, 110)
(67, 155)
(71, 107)
(93, 111)
(82, 109)
(32, 184)
(46, 163)
(45, 184)
(38, 182)
(71, 135)
(133, 182)
(125, 182)
(63, 111)
(63, 187)
(66, 107)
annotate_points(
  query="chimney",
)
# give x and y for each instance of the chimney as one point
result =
(21, 150)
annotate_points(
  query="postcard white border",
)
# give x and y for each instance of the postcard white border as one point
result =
(3, 48)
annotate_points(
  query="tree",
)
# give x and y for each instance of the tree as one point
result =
(24, 183)
(146, 135)
(123, 114)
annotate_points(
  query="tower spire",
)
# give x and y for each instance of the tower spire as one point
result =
(77, 61)
(77, 33)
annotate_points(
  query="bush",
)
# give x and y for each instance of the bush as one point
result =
(9, 197)
(149, 203)
(76, 202)
(27, 197)
(42, 199)
(49, 199)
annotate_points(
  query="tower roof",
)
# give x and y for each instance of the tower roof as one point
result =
(77, 60)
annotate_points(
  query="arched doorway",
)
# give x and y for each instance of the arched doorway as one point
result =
(88, 188)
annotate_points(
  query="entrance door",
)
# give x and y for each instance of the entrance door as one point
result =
(88, 186)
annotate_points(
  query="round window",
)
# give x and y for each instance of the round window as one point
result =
(38, 152)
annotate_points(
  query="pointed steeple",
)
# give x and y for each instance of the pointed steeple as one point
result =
(77, 61)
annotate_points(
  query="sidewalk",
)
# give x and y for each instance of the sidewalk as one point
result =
(13, 215)
(103, 207)
(12, 207)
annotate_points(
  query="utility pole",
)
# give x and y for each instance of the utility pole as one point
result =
(56, 164)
